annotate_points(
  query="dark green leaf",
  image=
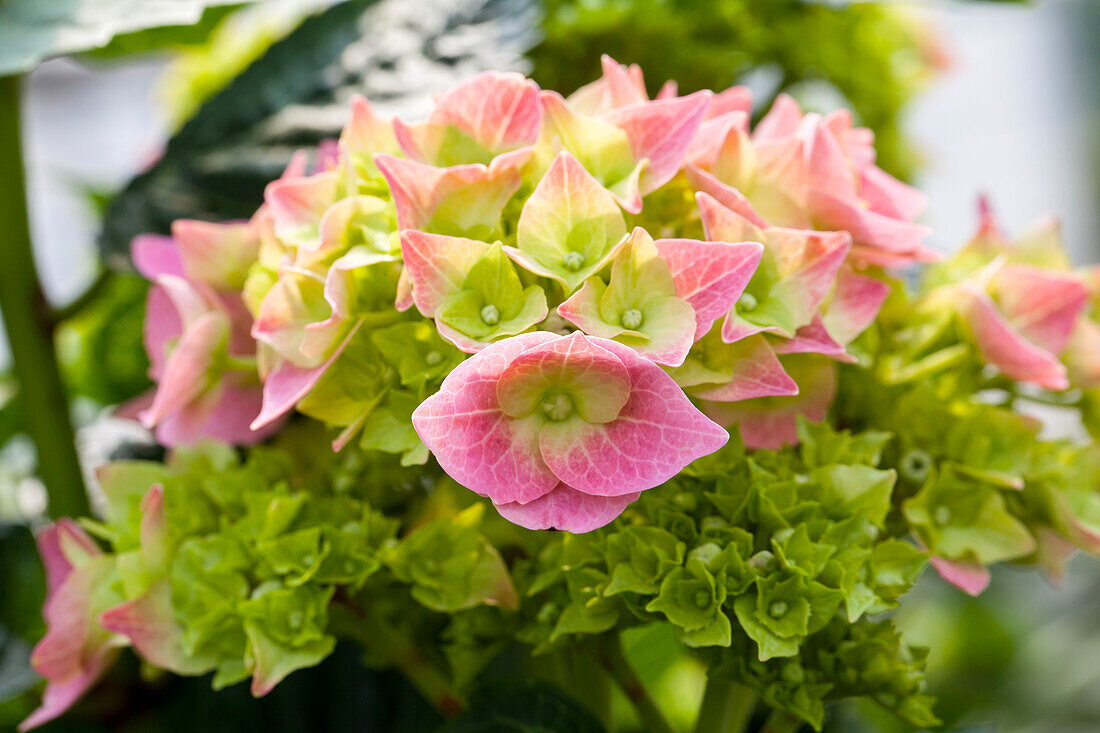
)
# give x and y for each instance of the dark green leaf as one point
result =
(522, 707)
(32, 31)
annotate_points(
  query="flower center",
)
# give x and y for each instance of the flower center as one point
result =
(746, 302)
(942, 515)
(573, 261)
(434, 357)
(632, 319)
(915, 465)
(558, 407)
(702, 599)
(490, 315)
(778, 609)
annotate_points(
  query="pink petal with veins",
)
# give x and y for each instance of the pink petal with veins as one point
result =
(782, 120)
(474, 441)
(898, 239)
(500, 111)
(656, 434)
(187, 370)
(855, 303)
(661, 132)
(296, 205)
(619, 86)
(217, 254)
(419, 191)
(710, 276)
(726, 195)
(773, 422)
(888, 196)
(756, 373)
(436, 266)
(567, 509)
(1042, 305)
(1005, 348)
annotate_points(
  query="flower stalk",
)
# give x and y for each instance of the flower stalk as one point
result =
(614, 661)
(29, 326)
(727, 707)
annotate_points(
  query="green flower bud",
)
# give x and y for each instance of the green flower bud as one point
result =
(915, 465)
(686, 501)
(490, 314)
(432, 358)
(558, 407)
(792, 672)
(778, 609)
(942, 515)
(573, 261)
(632, 319)
(747, 302)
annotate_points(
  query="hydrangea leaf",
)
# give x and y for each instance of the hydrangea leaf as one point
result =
(452, 566)
(285, 629)
(417, 352)
(640, 557)
(962, 520)
(390, 429)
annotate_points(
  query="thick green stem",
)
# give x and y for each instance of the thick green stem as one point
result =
(586, 681)
(727, 707)
(780, 722)
(611, 657)
(388, 642)
(29, 326)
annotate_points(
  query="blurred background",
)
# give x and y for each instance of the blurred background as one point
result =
(967, 98)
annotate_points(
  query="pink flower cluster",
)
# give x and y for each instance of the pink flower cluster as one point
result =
(518, 222)
(1026, 308)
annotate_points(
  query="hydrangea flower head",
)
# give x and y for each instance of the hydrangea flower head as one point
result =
(551, 245)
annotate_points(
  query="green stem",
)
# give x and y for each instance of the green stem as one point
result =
(727, 707)
(780, 722)
(611, 657)
(589, 683)
(29, 326)
(387, 641)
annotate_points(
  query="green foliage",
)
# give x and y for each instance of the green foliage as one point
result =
(31, 31)
(522, 707)
(760, 562)
(189, 181)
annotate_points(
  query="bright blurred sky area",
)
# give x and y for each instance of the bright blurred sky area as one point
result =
(1017, 117)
